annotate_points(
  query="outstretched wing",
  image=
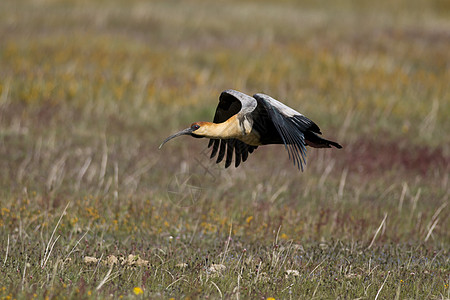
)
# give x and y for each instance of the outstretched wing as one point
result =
(232, 103)
(291, 126)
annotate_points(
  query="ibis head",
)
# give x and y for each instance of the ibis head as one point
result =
(188, 131)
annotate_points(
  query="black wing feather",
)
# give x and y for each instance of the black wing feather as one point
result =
(215, 147)
(307, 124)
(241, 151)
(221, 151)
(244, 152)
(211, 141)
(290, 127)
(230, 104)
(238, 155)
(230, 150)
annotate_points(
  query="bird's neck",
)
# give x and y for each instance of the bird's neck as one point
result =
(226, 130)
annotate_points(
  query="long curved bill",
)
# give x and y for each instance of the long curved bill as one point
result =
(186, 131)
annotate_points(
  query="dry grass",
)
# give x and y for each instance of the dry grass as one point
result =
(89, 90)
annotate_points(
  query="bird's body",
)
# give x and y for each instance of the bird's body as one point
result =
(242, 123)
(233, 128)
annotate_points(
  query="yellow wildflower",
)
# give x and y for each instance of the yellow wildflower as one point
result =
(137, 290)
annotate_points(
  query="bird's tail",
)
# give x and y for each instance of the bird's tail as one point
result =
(316, 141)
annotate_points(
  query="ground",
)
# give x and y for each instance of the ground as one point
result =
(90, 208)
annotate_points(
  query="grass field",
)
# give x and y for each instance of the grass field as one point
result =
(90, 208)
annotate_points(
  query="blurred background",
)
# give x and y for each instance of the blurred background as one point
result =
(80, 79)
(89, 89)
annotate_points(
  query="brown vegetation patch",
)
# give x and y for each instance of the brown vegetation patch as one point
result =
(368, 156)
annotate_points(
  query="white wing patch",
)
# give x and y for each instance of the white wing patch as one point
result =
(247, 126)
(248, 103)
(282, 108)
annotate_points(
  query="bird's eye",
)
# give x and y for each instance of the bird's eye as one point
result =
(195, 126)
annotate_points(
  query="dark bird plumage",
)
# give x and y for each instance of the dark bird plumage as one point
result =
(242, 123)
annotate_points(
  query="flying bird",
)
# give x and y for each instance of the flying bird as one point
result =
(242, 123)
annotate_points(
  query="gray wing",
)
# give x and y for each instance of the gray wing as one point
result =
(232, 102)
(291, 126)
